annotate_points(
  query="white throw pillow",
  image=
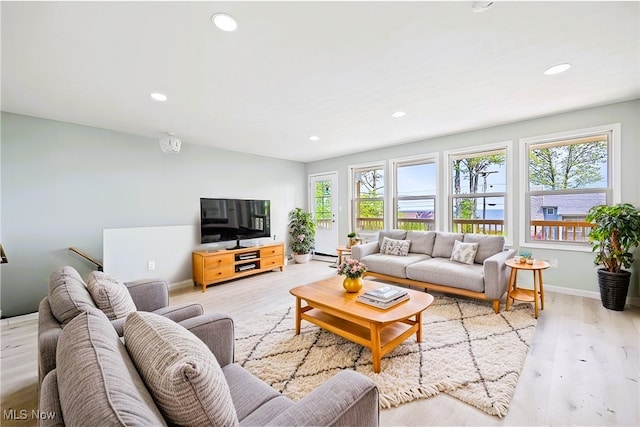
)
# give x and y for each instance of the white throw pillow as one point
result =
(110, 295)
(180, 371)
(395, 247)
(464, 252)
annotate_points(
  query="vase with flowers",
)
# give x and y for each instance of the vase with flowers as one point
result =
(354, 270)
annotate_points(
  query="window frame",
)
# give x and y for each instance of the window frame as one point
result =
(477, 151)
(352, 199)
(410, 161)
(614, 180)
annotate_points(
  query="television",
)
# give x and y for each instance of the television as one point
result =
(224, 220)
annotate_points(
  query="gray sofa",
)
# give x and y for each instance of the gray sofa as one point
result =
(68, 297)
(163, 375)
(476, 270)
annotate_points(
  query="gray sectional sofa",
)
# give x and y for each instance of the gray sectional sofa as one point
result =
(159, 365)
(474, 266)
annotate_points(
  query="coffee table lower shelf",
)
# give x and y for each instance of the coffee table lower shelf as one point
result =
(380, 339)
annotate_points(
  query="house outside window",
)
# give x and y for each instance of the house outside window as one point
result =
(565, 175)
(415, 190)
(478, 190)
(368, 198)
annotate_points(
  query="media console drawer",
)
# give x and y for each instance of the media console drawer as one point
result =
(222, 265)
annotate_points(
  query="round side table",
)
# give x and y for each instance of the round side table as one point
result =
(522, 294)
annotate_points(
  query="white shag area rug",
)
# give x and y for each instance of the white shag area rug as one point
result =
(468, 352)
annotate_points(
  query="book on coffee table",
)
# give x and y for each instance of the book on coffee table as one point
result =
(385, 293)
(382, 304)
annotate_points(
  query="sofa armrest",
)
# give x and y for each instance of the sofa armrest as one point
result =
(149, 294)
(496, 275)
(49, 403)
(346, 399)
(48, 332)
(216, 331)
(360, 251)
(180, 312)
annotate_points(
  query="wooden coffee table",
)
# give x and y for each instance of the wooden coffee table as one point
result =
(381, 330)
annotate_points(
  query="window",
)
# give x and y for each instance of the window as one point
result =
(368, 198)
(415, 194)
(478, 191)
(566, 175)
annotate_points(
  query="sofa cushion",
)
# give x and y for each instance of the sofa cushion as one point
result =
(488, 246)
(464, 252)
(392, 234)
(391, 265)
(395, 247)
(443, 245)
(110, 295)
(68, 294)
(97, 381)
(442, 271)
(180, 371)
(421, 241)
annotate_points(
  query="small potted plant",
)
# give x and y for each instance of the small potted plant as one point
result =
(352, 241)
(302, 230)
(354, 270)
(614, 234)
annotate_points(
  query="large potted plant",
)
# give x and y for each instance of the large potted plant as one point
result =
(302, 230)
(615, 233)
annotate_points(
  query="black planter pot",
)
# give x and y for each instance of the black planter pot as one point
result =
(614, 288)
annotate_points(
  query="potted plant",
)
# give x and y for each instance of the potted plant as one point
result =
(615, 232)
(352, 241)
(302, 229)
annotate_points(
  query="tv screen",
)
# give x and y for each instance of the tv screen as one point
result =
(234, 219)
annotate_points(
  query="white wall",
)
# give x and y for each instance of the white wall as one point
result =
(63, 184)
(576, 271)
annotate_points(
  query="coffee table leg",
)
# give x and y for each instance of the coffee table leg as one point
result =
(419, 331)
(375, 347)
(298, 314)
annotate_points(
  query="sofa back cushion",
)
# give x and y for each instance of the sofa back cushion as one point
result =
(487, 245)
(98, 383)
(443, 245)
(421, 241)
(68, 294)
(110, 295)
(392, 234)
(180, 371)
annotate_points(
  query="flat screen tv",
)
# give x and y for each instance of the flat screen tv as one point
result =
(224, 220)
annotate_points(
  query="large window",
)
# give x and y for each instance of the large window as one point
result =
(478, 191)
(368, 198)
(415, 194)
(566, 175)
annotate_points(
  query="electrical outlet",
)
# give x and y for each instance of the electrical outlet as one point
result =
(151, 265)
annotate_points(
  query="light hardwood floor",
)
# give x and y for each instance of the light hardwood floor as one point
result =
(582, 368)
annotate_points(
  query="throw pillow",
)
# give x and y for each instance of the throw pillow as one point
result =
(68, 294)
(464, 252)
(396, 247)
(110, 295)
(180, 371)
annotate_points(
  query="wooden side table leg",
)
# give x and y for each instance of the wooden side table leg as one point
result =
(375, 347)
(541, 290)
(511, 286)
(536, 292)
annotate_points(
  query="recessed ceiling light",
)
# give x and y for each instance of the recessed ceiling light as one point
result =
(556, 69)
(159, 96)
(224, 22)
(314, 138)
(480, 6)
(398, 114)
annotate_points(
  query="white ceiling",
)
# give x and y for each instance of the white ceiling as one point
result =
(295, 69)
